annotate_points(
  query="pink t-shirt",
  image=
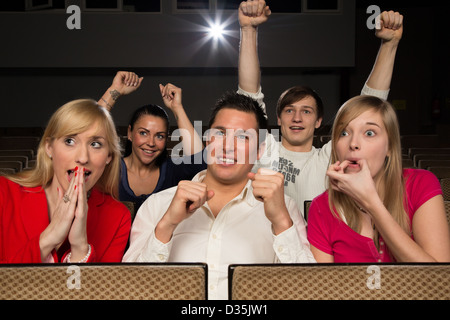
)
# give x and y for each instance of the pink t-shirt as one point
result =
(335, 237)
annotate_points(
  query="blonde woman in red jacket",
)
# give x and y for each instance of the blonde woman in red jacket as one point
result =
(65, 209)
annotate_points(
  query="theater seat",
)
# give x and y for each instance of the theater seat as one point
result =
(123, 281)
(447, 211)
(445, 185)
(340, 282)
(131, 206)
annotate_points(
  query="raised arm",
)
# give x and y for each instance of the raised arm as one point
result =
(251, 15)
(172, 97)
(390, 33)
(124, 83)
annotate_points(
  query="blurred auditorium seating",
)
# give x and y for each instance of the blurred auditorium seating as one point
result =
(19, 142)
(131, 206)
(123, 281)
(445, 185)
(420, 141)
(17, 153)
(306, 205)
(447, 210)
(422, 152)
(428, 163)
(440, 172)
(340, 282)
(16, 166)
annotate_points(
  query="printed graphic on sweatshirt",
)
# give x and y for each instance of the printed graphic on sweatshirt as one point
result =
(287, 168)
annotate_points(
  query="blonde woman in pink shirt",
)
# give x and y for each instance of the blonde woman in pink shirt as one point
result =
(374, 210)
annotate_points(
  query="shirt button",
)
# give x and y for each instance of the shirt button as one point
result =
(214, 236)
(280, 249)
(379, 260)
(161, 257)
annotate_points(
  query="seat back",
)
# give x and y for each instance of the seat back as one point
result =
(425, 164)
(122, 281)
(306, 206)
(19, 142)
(447, 211)
(340, 282)
(420, 141)
(22, 159)
(440, 172)
(439, 150)
(17, 166)
(438, 156)
(131, 206)
(445, 185)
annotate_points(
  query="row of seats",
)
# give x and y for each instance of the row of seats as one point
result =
(188, 281)
(17, 153)
(425, 158)
(434, 159)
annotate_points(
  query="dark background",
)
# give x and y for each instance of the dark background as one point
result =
(43, 64)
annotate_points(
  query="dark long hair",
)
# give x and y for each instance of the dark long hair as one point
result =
(151, 110)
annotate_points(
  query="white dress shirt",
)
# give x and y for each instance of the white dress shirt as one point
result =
(241, 233)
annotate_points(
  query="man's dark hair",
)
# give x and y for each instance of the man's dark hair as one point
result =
(294, 94)
(236, 101)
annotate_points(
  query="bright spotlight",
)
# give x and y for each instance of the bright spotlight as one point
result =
(216, 31)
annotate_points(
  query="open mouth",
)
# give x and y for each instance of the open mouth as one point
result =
(297, 128)
(149, 152)
(353, 163)
(71, 174)
(226, 161)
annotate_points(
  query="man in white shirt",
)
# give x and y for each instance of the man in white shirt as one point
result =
(226, 214)
(300, 109)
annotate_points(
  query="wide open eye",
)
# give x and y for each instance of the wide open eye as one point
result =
(343, 134)
(370, 133)
(69, 141)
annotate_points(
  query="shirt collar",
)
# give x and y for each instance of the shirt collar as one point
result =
(246, 193)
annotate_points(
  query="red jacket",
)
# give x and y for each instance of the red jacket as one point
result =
(24, 216)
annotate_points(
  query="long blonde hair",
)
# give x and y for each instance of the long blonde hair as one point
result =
(73, 118)
(390, 186)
